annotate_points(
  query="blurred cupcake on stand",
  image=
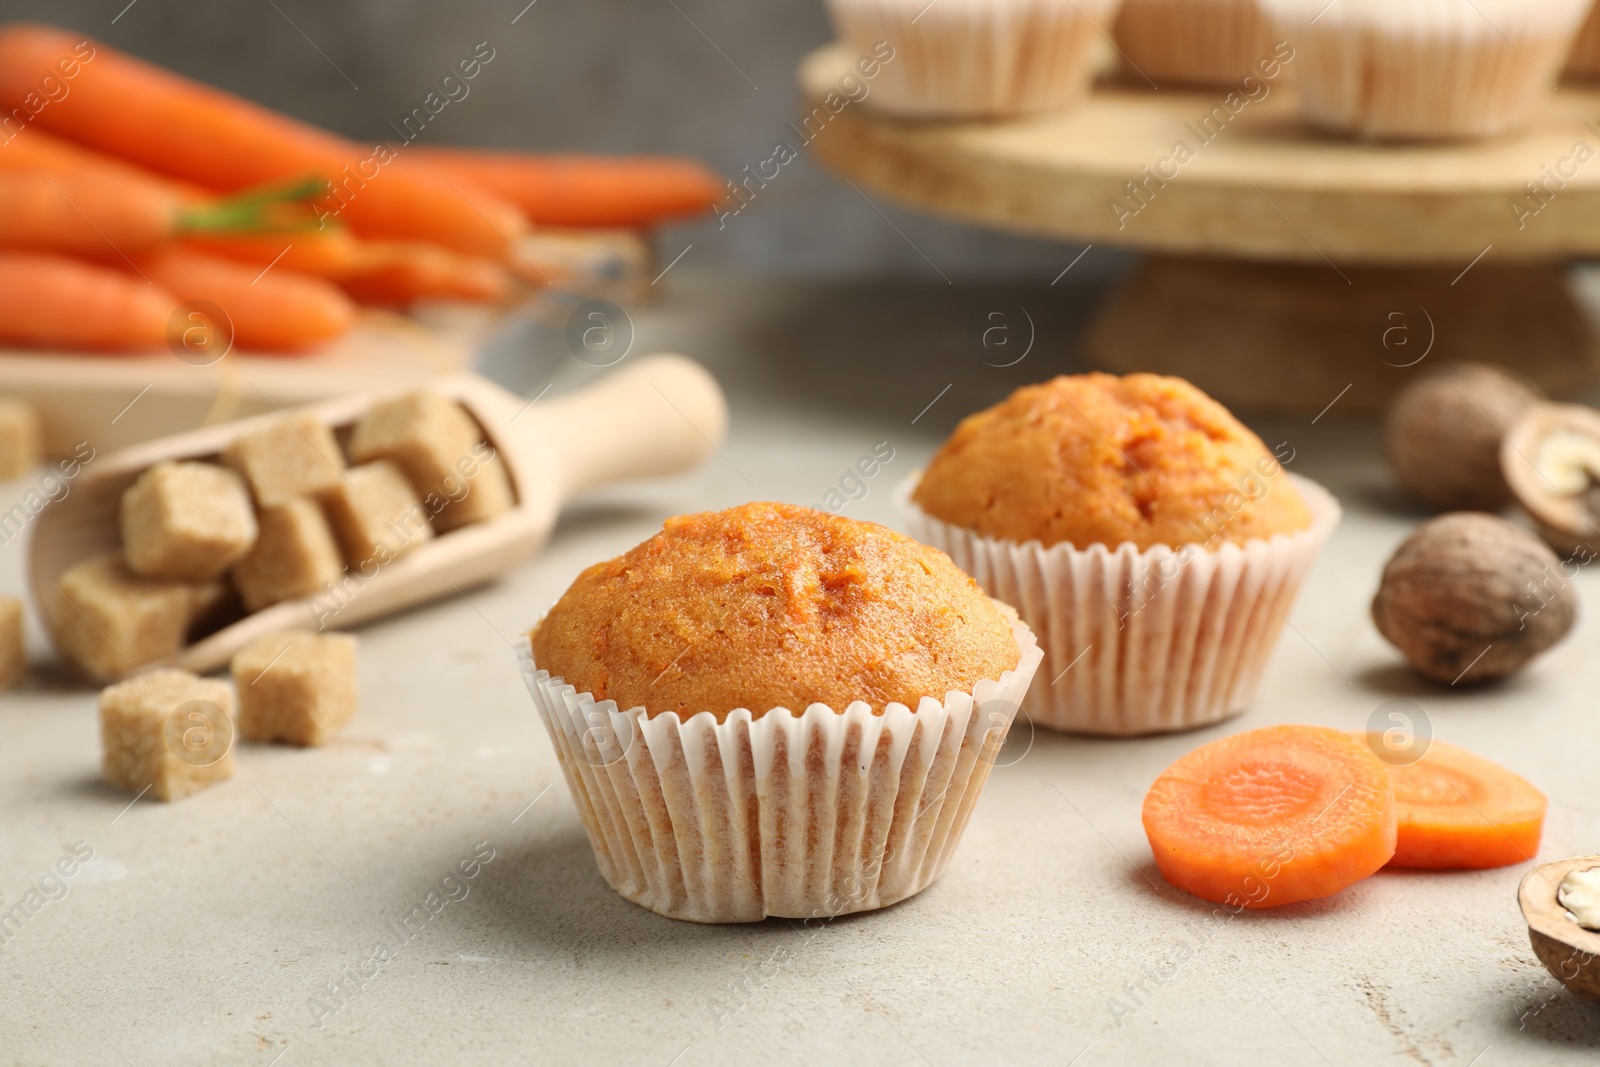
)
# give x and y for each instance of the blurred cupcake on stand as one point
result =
(1425, 69)
(960, 59)
(1199, 42)
(1584, 60)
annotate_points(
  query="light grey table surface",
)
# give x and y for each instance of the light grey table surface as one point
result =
(208, 931)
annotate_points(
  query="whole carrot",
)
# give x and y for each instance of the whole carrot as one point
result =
(331, 252)
(374, 272)
(109, 215)
(398, 273)
(35, 150)
(271, 311)
(84, 215)
(54, 302)
(139, 112)
(585, 191)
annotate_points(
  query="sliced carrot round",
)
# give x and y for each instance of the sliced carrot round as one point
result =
(1272, 816)
(1456, 810)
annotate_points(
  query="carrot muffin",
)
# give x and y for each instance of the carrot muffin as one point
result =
(771, 710)
(1098, 459)
(1153, 541)
(773, 606)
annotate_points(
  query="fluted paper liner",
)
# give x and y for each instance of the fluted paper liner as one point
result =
(1141, 642)
(1425, 69)
(1584, 59)
(818, 814)
(1209, 42)
(975, 58)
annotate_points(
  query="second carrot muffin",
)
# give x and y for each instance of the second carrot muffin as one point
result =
(1151, 540)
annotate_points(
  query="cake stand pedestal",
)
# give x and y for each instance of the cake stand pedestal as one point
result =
(1284, 266)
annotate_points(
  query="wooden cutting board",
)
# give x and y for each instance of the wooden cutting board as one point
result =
(115, 401)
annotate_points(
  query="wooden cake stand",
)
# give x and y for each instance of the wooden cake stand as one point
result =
(1285, 265)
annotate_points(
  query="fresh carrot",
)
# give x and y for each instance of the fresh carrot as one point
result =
(103, 216)
(55, 302)
(84, 215)
(1272, 816)
(35, 150)
(585, 191)
(374, 272)
(330, 252)
(1457, 810)
(270, 311)
(139, 112)
(398, 273)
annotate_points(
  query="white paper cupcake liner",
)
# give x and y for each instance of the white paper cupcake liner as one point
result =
(1210, 42)
(975, 58)
(1141, 642)
(1425, 69)
(1584, 59)
(818, 814)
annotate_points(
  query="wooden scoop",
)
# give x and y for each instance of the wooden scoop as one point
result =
(661, 415)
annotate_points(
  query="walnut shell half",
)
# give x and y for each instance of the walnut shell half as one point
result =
(1568, 951)
(1443, 435)
(1470, 597)
(1551, 460)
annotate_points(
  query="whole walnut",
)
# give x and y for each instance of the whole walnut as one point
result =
(1444, 431)
(1471, 597)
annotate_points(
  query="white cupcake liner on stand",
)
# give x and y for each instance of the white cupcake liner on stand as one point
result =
(1141, 642)
(1425, 69)
(975, 58)
(818, 814)
(1198, 42)
(1584, 59)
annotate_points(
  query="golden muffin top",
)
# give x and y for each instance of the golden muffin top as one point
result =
(1101, 459)
(772, 605)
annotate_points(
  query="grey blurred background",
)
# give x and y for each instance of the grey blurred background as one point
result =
(713, 79)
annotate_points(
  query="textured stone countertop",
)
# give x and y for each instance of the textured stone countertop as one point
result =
(209, 931)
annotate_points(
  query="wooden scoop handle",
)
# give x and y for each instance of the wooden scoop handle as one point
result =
(663, 414)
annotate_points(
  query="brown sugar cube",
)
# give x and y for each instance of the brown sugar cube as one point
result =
(19, 438)
(108, 620)
(295, 554)
(186, 520)
(296, 687)
(458, 475)
(376, 514)
(13, 661)
(169, 731)
(295, 456)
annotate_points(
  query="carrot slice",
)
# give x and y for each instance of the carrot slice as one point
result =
(55, 302)
(1272, 816)
(1456, 810)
